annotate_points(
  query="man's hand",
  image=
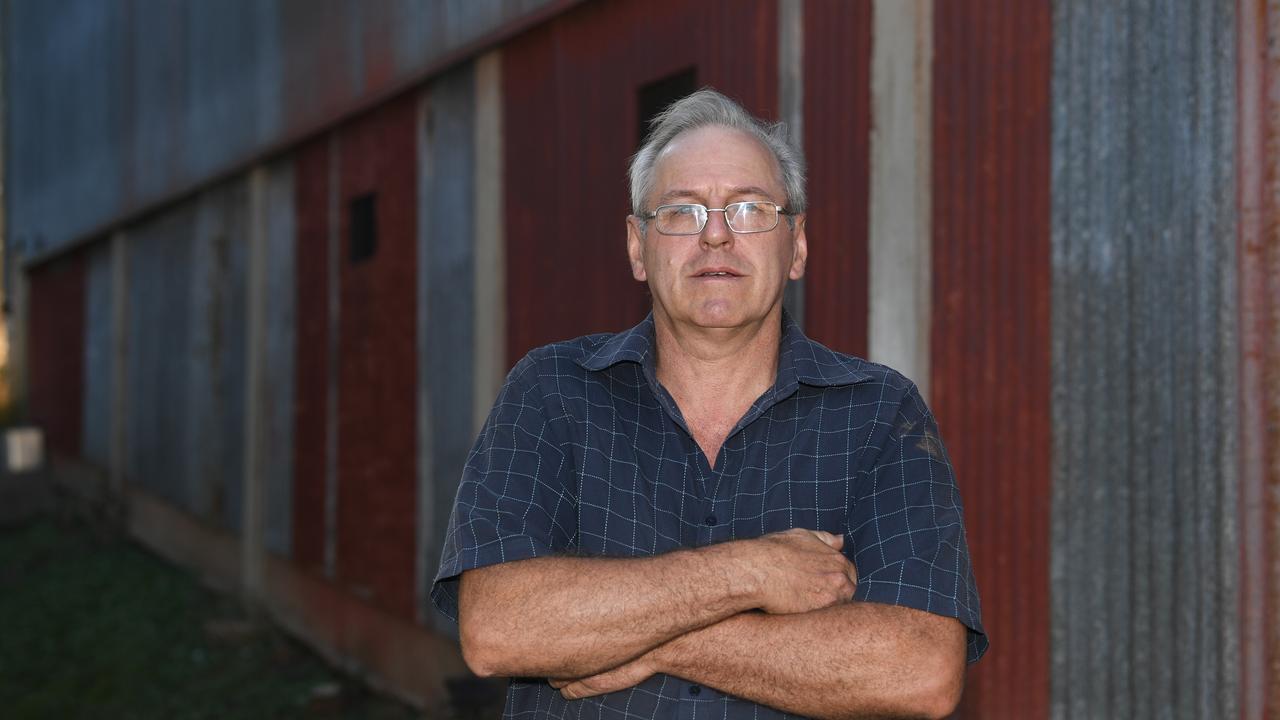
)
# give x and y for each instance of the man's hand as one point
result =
(798, 570)
(794, 571)
(624, 676)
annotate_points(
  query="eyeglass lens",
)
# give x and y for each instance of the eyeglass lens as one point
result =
(742, 217)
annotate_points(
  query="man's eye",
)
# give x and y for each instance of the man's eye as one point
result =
(685, 210)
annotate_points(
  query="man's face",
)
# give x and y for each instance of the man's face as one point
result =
(715, 166)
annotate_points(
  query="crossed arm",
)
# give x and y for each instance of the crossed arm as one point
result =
(596, 625)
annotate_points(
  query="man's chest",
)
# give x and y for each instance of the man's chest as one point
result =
(643, 485)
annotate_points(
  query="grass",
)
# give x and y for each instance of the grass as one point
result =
(92, 626)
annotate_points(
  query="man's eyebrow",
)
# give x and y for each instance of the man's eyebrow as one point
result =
(737, 191)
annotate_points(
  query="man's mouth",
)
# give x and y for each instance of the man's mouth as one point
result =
(717, 273)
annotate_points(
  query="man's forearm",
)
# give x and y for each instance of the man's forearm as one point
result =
(850, 660)
(570, 617)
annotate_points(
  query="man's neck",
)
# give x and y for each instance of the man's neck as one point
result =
(720, 366)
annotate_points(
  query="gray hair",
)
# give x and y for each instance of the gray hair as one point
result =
(705, 108)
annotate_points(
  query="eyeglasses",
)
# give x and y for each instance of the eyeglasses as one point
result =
(741, 217)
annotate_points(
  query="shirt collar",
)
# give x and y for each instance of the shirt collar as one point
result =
(801, 360)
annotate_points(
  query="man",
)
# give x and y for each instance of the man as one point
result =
(710, 515)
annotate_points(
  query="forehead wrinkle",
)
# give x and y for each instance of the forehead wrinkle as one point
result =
(733, 192)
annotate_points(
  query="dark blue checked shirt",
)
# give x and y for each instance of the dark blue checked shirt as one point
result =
(585, 453)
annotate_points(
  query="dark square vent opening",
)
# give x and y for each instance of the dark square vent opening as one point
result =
(364, 227)
(654, 97)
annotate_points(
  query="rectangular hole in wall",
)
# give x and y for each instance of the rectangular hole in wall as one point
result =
(654, 97)
(364, 227)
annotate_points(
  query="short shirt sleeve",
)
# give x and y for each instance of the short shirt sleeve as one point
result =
(515, 500)
(907, 524)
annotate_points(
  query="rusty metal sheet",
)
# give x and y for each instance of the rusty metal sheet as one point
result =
(377, 372)
(1258, 59)
(55, 352)
(990, 343)
(837, 130)
(312, 335)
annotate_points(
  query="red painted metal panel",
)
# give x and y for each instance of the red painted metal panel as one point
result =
(990, 336)
(1259, 264)
(570, 90)
(55, 356)
(311, 205)
(377, 365)
(837, 128)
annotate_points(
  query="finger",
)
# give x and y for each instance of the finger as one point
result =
(851, 572)
(577, 690)
(835, 542)
(558, 683)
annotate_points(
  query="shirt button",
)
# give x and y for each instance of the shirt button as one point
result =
(694, 689)
(711, 520)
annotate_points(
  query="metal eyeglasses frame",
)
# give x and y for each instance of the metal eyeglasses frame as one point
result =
(706, 215)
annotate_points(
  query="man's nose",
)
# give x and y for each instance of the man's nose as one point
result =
(716, 232)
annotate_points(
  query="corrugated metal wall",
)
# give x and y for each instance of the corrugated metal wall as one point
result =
(377, 361)
(446, 310)
(281, 344)
(56, 351)
(356, 453)
(216, 351)
(169, 95)
(95, 434)
(990, 337)
(837, 128)
(312, 369)
(1094, 439)
(1145, 408)
(158, 255)
(1258, 187)
(570, 91)
(186, 354)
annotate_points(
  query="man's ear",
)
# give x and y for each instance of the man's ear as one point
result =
(800, 252)
(635, 248)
